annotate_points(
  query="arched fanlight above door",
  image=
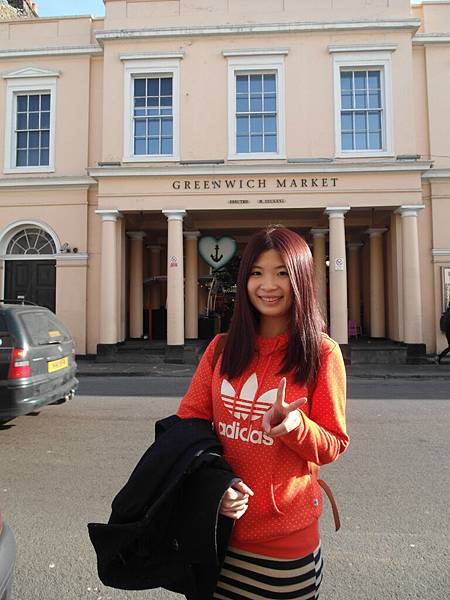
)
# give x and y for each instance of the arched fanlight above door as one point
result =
(31, 241)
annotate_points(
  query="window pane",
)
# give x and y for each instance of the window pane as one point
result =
(45, 157)
(166, 112)
(346, 121)
(256, 104)
(153, 146)
(166, 86)
(270, 124)
(361, 141)
(152, 101)
(140, 146)
(33, 158)
(167, 146)
(45, 120)
(374, 121)
(33, 102)
(166, 101)
(255, 83)
(360, 80)
(45, 102)
(375, 141)
(242, 104)
(140, 129)
(256, 143)
(269, 84)
(360, 100)
(242, 144)
(256, 125)
(347, 141)
(374, 80)
(270, 143)
(346, 80)
(22, 121)
(139, 87)
(139, 102)
(360, 121)
(153, 128)
(375, 100)
(33, 140)
(167, 127)
(21, 158)
(45, 139)
(242, 84)
(242, 124)
(33, 121)
(270, 103)
(347, 100)
(22, 140)
(22, 103)
(152, 87)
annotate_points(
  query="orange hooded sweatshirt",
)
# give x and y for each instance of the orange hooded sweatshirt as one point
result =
(282, 517)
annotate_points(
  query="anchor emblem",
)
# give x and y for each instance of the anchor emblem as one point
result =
(216, 258)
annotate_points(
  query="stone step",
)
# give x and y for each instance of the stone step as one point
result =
(381, 355)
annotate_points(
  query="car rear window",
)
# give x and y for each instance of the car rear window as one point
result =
(6, 339)
(44, 328)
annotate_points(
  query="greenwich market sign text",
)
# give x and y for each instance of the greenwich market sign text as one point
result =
(283, 183)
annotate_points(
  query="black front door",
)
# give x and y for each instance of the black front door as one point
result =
(35, 280)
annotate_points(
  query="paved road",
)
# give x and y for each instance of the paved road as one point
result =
(61, 469)
(176, 386)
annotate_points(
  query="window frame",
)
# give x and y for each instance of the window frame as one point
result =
(150, 68)
(14, 88)
(256, 65)
(366, 61)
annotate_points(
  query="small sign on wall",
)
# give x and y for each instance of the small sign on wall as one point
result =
(445, 274)
(339, 264)
(173, 262)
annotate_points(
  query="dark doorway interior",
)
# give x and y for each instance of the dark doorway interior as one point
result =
(35, 280)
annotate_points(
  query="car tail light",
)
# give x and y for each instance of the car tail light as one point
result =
(20, 366)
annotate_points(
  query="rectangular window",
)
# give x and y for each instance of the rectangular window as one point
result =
(361, 110)
(153, 116)
(32, 130)
(256, 113)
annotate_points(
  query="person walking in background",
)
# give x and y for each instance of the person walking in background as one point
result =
(275, 390)
(445, 328)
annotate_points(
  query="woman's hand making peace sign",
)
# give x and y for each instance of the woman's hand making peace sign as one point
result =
(282, 417)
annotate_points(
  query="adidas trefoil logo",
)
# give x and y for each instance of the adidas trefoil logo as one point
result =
(241, 409)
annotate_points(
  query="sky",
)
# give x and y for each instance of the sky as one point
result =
(49, 8)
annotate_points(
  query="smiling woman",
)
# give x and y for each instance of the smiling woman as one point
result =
(53, 8)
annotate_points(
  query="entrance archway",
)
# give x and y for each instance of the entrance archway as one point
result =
(30, 265)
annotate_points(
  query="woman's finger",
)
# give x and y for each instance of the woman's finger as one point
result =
(294, 405)
(243, 488)
(281, 390)
(290, 422)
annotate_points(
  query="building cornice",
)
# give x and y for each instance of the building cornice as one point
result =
(56, 51)
(272, 169)
(38, 182)
(420, 39)
(241, 29)
(437, 174)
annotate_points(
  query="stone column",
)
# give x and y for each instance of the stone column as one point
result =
(136, 284)
(377, 300)
(320, 267)
(175, 277)
(109, 289)
(354, 283)
(412, 297)
(191, 285)
(155, 270)
(338, 274)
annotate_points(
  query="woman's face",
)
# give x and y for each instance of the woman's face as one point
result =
(269, 287)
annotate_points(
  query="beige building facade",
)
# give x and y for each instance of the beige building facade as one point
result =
(128, 139)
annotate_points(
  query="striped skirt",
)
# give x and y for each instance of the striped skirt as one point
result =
(247, 576)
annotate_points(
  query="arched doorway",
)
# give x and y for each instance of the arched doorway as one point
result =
(30, 266)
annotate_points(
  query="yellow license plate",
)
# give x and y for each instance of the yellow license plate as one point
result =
(57, 365)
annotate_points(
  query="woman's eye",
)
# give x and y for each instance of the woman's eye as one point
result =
(255, 273)
(283, 273)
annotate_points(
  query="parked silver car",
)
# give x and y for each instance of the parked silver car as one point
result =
(7, 559)
(37, 360)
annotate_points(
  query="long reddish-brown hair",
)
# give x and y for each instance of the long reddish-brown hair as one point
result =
(306, 323)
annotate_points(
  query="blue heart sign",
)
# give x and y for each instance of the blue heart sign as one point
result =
(217, 253)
